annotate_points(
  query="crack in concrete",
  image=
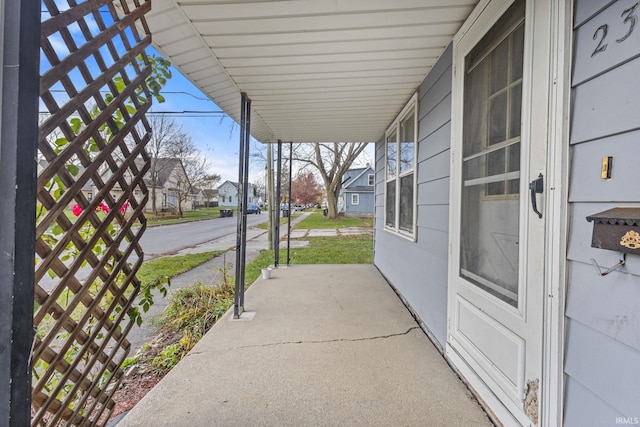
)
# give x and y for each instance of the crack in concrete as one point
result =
(333, 340)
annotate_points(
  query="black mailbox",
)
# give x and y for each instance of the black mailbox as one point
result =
(617, 229)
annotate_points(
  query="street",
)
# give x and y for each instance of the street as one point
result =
(168, 239)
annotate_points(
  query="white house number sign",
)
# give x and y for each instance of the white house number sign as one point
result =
(624, 28)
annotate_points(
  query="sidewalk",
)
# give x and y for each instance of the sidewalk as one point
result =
(320, 345)
(207, 273)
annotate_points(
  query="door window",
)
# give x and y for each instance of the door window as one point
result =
(490, 208)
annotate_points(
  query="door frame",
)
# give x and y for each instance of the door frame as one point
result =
(555, 204)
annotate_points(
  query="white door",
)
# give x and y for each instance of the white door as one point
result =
(499, 143)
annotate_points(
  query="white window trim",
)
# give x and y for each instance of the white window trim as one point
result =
(355, 199)
(395, 125)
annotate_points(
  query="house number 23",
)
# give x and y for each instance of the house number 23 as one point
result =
(630, 19)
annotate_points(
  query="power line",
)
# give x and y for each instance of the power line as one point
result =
(188, 113)
(183, 113)
(163, 92)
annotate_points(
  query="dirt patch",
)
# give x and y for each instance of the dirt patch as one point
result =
(142, 376)
(132, 390)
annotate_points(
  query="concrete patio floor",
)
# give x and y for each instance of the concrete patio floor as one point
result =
(321, 345)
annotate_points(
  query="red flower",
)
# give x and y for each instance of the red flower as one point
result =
(102, 207)
(77, 210)
(124, 207)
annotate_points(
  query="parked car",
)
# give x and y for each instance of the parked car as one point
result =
(253, 209)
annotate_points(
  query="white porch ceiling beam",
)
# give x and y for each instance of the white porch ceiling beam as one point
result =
(316, 70)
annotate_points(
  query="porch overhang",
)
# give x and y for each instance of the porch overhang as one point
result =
(315, 71)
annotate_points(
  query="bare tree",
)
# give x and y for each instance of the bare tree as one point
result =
(332, 160)
(165, 133)
(196, 167)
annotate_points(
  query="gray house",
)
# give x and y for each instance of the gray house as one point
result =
(500, 127)
(169, 175)
(357, 196)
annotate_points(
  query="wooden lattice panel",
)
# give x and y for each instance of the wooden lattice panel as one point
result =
(91, 197)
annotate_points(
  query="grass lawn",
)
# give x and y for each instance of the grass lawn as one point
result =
(317, 220)
(189, 215)
(173, 265)
(150, 270)
(283, 221)
(321, 250)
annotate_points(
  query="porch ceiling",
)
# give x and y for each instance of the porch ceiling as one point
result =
(315, 70)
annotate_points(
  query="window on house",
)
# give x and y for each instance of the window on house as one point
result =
(372, 179)
(355, 199)
(89, 196)
(492, 111)
(400, 171)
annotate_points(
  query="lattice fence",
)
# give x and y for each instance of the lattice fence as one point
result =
(91, 197)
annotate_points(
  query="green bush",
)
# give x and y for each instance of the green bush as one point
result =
(191, 312)
(196, 308)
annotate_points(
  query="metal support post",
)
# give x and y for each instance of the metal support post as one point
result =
(19, 90)
(243, 189)
(269, 184)
(276, 237)
(289, 219)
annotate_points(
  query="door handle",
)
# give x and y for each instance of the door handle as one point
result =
(536, 186)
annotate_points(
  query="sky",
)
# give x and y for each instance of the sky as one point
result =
(215, 134)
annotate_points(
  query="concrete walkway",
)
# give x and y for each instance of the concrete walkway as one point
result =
(320, 345)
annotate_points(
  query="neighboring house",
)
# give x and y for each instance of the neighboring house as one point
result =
(170, 177)
(204, 197)
(228, 194)
(88, 189)
(357, 195)
(208, 197)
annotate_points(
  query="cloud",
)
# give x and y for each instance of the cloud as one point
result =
(226, 166)
(58, 45)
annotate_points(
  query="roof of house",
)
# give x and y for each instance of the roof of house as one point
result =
(208, 192)
(359, 189)
(164, 169)
(352, 177)
(234, 184)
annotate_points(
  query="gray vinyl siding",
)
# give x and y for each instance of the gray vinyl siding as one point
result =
(602, 361)
(364, 207)
(418, 270)
(358, 183)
